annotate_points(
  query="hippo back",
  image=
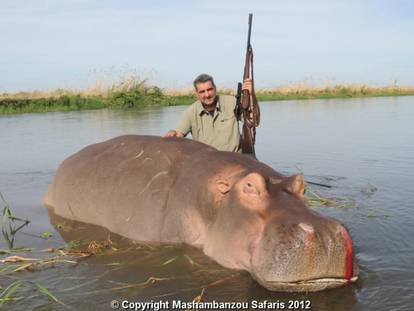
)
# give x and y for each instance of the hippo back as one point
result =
(122, 184)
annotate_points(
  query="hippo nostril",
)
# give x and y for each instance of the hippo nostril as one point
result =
(307, 228)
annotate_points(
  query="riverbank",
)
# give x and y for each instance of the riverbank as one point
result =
(138, 94)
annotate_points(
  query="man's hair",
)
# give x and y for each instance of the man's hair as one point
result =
(203, 78)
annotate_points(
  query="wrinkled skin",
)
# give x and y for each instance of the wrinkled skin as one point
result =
(241, 212)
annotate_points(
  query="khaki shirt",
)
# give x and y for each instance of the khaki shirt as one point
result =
(220, 131)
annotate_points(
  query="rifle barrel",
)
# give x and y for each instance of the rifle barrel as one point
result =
(250, 31)
(248, 45)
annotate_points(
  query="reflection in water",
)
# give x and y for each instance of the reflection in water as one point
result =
(354, 145)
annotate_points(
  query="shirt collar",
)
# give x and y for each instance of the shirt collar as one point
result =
(201, 110)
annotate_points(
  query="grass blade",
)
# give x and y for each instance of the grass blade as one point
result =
(6, 294)
(169, 261)
(46, 292)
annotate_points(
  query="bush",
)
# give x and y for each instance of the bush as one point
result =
(137, 96)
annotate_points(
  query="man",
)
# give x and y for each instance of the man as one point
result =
(211, 119)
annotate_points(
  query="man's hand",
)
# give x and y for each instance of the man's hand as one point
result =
(174, 133)
(247, 85)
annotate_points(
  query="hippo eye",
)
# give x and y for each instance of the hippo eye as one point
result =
(249, 184)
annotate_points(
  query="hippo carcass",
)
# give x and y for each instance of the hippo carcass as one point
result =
(241, 212)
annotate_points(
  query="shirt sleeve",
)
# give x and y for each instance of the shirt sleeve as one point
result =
(184, 125)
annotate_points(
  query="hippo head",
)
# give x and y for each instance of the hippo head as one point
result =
(263, 225)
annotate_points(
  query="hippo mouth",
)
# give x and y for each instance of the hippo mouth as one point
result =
(311, 285)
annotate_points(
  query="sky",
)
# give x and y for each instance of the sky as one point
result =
(49, 44)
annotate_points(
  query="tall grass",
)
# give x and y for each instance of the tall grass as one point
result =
(301, 91)
(133, 92)
(63, 103)
(129, 92)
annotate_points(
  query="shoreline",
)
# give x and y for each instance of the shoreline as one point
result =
(141, 95)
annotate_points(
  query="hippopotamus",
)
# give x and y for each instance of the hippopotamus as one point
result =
(239, 211)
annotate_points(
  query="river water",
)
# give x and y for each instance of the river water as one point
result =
(363, 148)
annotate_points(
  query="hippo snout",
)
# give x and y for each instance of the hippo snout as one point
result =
(304, 257)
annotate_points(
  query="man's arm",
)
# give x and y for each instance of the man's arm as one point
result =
(183, 127)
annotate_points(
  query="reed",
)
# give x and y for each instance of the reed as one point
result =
(10, 224)
(315, 199)
(301, 91)
(8, 294)
(133, 92)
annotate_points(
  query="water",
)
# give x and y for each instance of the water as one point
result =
(363, 148)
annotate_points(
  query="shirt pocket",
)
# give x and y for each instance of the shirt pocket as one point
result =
(226, 123)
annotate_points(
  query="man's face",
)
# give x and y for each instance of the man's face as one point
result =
(206, 93)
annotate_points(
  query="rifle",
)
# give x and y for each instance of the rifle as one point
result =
(246, 102)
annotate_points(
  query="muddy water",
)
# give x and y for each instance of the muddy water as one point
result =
(363, 148)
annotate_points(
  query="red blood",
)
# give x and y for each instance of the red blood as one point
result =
(349, 264)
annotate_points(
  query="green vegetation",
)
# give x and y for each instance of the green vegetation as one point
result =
(10, 224)
(63, 103)
(127, 94)
(132, 92)
(335, 91)
(315, 199)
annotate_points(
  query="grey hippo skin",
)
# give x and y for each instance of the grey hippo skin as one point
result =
(239, 211)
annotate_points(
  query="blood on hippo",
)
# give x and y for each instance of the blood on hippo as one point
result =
(239, 211)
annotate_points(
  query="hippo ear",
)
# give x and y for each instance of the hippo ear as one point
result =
(223, 186)
(295, 184)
